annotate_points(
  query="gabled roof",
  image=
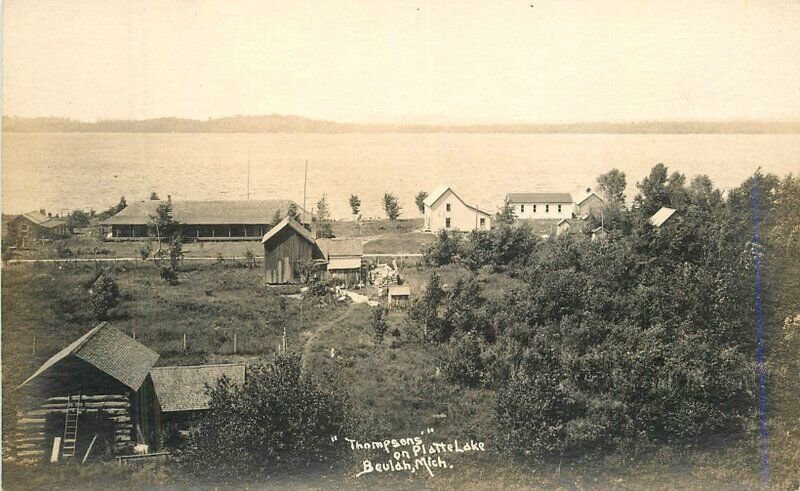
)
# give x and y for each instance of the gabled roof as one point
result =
(184, 388)
(111, 351)
(661, 216)
(36, 217)
(598, 229)
(288, 222)
(434, 195)
(340, 247)
(580, 199)
(242, 212)
(539, 198)
(437, 193)
(563, 220)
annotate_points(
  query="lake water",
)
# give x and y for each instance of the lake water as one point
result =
(79, 170)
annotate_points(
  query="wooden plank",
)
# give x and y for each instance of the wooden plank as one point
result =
(89, 449)
(56, 449)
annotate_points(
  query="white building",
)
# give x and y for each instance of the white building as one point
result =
(445, 210)
(541, 205)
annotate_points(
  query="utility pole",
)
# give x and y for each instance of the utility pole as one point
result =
(305, 186)
(248, 174)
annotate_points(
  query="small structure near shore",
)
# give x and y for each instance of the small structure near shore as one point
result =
(25, 229)
(345, 260)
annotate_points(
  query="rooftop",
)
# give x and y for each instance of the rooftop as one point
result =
(539, 198)
(185, 388)
(245, 212)
(661, 216)
(110, 351)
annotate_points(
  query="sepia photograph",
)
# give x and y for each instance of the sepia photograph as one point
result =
(400, 244)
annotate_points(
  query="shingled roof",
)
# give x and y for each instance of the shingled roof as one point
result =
(111, 351)
(185, 388)
(248, 212)
(340, 247)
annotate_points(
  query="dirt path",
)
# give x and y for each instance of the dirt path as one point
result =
(309, 343)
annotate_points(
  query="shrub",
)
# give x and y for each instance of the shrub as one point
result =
(378, 324)
(461, 360)
(445, 250)
(279, 419)
(104, 295)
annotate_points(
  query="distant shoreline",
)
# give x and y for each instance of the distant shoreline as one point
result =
(298, 125)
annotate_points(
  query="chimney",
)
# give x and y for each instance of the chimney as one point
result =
(588, 190)
(41, 210)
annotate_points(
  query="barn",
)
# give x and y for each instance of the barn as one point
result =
(589, 204)
(287, 246)
(345, 260)
(182, 390)
(95, 394)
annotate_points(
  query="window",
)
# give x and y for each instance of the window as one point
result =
(559, 208)
(447, 206)
(547, 208)
(483, 222)
(522, 208)
(447, 222)
(534, 208)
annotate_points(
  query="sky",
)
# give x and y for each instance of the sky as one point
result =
(404, 61)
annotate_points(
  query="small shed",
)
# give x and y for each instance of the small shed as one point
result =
(286, 246)
(599, 233)
(562, 226)
(398, 296)
(183, 390)
(96, 389)
(345, 259)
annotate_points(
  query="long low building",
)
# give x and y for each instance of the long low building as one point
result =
(201, 220)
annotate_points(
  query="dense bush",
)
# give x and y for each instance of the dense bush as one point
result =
(646, 335)
(279, 419)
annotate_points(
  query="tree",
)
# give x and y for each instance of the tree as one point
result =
(612, 186)
(276, 218)
(378, 324)
(391, 206)
(324, 230)
(279, 418)
(154, 196)
(121, 205)
(78, 219)
(292, 212)
(653, 193)
(355, 205)
(162, 222)
(506, 214)
(103, 295)
(420, 201)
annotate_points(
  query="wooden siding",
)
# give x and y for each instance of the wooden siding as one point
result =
(282, 255)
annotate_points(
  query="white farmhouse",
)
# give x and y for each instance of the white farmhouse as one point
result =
(445, 210)
(541, 205)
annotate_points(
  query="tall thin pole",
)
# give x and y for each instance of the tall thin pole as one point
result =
(248, 174)
(305, 186)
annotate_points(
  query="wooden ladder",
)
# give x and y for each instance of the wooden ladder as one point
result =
(71, 426)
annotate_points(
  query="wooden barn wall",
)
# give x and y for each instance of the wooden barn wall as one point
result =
(282, 253)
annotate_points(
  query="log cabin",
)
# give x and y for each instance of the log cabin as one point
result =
(95, 394)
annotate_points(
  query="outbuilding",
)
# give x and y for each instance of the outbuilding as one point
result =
(183, 390)
(288, 246)
(95, 394)
(589, 204)
(398, 296)
(345, 260)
